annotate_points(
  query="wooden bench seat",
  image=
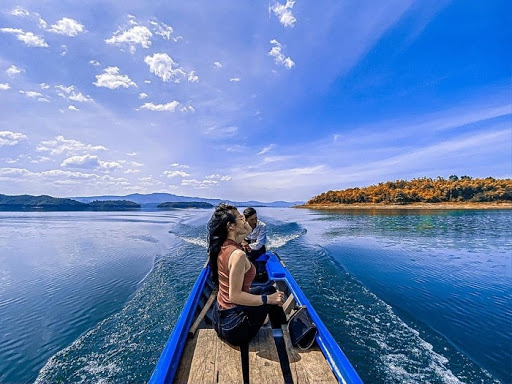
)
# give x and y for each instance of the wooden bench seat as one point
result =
(307, 366)
(208, 359)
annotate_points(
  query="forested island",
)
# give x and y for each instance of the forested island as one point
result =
(184, 204)
(452, 192)
(48, 203)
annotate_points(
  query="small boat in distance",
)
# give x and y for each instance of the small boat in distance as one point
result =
(195, 354)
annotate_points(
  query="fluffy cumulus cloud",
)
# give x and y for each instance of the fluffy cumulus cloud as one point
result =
(11, 138)
(22, 12)
(13, 71)
(168, 107)
(279, 57)
(284, 13)
(136, 35)
(71, 94)
(176, 174)
(163, 66)
(90, 162)
(31, 94)
(28, 38)
(85, 161)
(4, 86)
(68, 27)
(111, 78)
(60, 145)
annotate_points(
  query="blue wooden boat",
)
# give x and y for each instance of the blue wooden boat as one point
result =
(195, 354)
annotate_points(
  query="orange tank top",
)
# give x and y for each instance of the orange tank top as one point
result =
(226, 250)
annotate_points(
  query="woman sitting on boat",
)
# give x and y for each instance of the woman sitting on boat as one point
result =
(240, 311)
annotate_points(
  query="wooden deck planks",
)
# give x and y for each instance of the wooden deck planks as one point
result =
(208, 359)
(264, 365)
(307, 366)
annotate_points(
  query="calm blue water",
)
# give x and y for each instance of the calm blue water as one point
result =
(410, 296)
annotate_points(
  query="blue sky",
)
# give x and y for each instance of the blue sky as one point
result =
(263, 100)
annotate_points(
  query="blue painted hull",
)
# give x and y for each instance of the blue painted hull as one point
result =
(168, 362)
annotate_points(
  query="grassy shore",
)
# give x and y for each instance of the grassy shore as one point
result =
(466, 205)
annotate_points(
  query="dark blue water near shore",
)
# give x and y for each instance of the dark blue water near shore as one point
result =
(410, 296)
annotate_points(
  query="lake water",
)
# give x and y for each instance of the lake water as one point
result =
(410, 296)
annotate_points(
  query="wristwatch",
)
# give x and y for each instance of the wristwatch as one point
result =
(264, 299)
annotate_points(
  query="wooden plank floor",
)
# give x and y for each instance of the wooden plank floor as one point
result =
(307, 366)
(208, 359)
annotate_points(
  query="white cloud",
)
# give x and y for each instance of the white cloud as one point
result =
(192, 77)
(109, 165)
(96, 63)
(90, 162)
(176, 173)
(28, 38)
(278, 56)
(85, 161)
(234, 79)
(266, 149)
(221, 132)
(142, 96)
(112, 79)
(217, 64)
(31, 94)
(169, 107)
(18, 11)
(136, 164)
(177, 165)
(132, 171)
(131, 154)
(13, 71)
(188, 109)
(64, 50)
(163, 66)
(218, 177)
(73, 108)
(68, 27)
(44, 86)
(4, 86)
(196, 183)
(68, 147)
(11, 138)
(164, 30)
(137, 35)
(22, 12)
(284, 13)
(70, 94)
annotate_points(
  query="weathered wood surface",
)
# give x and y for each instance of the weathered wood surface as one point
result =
(307, 366)
(264, 365)
(200, 317)
(208, 359)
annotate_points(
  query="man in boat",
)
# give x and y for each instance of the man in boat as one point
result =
(240, 310)
(256, 240)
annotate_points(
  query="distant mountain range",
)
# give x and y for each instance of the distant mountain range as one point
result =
(153, 199)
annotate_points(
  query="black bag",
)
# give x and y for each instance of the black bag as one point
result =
(301, 328)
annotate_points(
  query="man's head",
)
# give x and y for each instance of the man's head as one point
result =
(251, 216)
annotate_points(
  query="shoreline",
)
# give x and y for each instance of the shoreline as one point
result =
(421, 206)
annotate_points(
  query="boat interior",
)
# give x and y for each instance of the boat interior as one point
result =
(271, 357)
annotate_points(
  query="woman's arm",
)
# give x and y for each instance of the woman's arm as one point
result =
(240, 237)
(237, 266)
